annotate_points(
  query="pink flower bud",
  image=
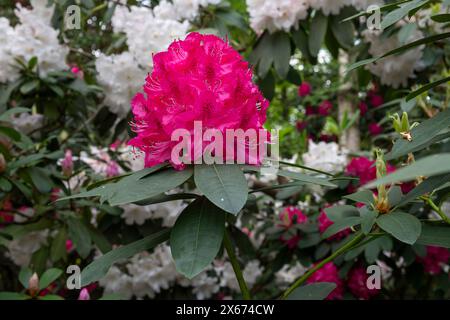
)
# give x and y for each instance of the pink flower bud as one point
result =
(67, 163)
(84, 294)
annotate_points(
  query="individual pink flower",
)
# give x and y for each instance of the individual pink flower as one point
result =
(363, 108)
(375, 99)
(357, 284)
(304, 89)
(329, 273)
(288, 217)
(375, 129)
(77, 72)
(325, 108)
(301, 125)
(435, 258)
(407, 186)
(84, 294)
(325, 223)
(67, 163)
(69, 245)
(309, 111)
(201, 78)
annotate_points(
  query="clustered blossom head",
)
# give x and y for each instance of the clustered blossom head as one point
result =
(325, 108)
(201, 78)
(435, 258)
(364, 169)
(357, 284)
(329, 273)
(325, 223)
(289, 216)
(304, 89)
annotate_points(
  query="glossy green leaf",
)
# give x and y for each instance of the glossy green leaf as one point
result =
(48, 277)
(402, 226)
(80, 236)
(426, 88)
(298, 176)
(340, 225)
(40, 179)
(282, 53)
(197, 236)
(312, 291)
(100, 266)
(317, 33)
(435, 236)
(224, 185)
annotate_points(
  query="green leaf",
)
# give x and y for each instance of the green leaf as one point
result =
(224, 185)
(426, 87)
(29, 86)
(99, 267)
(282, 57)
(149, 186)
(51, 297)
(368, 218)
(40, 179)
(48, 277)
(428, 166)
(435, 236)
(301, 42)
(58, 248)
(336, 213)
(398, 14)
(402, 226)
(196, 237)
(10, 132)
(80, 236)
(386, 7)
(441, 18)
(317, 34)
(305, 178)
(6, 116)
(24, 276)
(312, 291)
(342, 31)
(13, 296)
(100, 240)
(421, 135)
(364, 196)
(340, 225)
(426, 186)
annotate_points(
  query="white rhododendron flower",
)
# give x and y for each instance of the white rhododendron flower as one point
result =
(276, 15)
(21, 249)
(325, 156)
(288, 274)
(394, 70)
(362, 5)
(330, 6)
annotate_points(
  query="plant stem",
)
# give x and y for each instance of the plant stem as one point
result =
(306, 168)
(436, 209)
(311, 271)
(236, 267)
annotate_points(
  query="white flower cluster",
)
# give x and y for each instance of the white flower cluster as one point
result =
(146, 275)
(147, 32)
(276, 15)
(21, 249)
(394, 70)
(325, 156)
(32, 37)
(27, 123)
(167, 211)
(288, 274)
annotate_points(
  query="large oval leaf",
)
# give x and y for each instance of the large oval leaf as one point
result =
(313, 291)
(224, 185)
(99, 267)
(197, 236)
(402, 226)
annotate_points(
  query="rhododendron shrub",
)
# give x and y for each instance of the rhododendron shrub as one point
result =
(201, 78)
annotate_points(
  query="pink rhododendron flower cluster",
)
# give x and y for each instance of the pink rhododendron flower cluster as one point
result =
(434, 260)
(357, 284)
(329, 273)
(288, 217)
(375, 129)
(325, 223)
(201, 78)
(325, 108)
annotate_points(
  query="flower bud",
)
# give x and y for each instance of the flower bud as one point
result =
(84, 294)
(67, 163)
(33, 285)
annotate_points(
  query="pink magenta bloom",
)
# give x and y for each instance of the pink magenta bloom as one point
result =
(435, 258)
(301, 125)
(112, 169)
(325, 108)
(325, 223)
(304, 89)
(201, 78)
(357, 283)
(329, 273)
(375, 99)
(375, 129)
(310, 111)
(84, 294)
(363, 108)
(288, 217)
